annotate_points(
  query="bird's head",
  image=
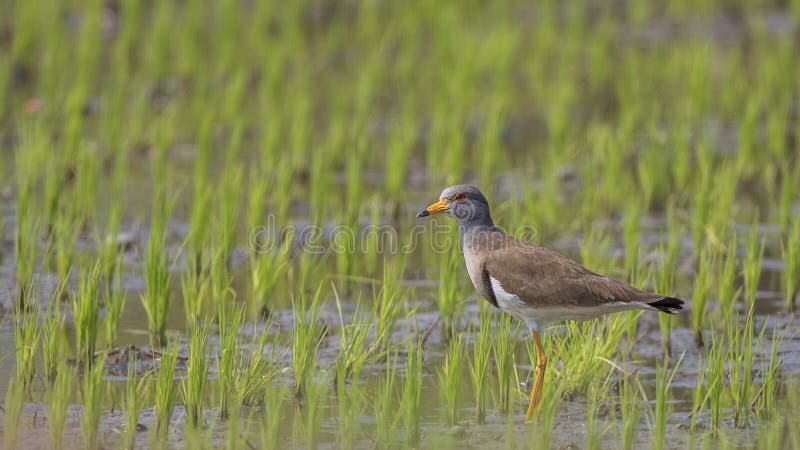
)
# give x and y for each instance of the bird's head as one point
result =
(463, 202)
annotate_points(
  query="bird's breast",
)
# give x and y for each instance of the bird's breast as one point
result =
(475, 270)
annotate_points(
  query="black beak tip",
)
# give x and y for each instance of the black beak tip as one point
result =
(423, 213)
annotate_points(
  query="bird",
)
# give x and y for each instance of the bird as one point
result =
(534, 284)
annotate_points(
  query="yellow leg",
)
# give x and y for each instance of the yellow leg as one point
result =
(541, 365)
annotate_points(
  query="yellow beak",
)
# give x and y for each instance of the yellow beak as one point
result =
(435, 208)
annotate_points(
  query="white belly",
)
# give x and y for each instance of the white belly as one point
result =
(512, 304)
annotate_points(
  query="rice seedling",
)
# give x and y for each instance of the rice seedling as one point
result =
(385, 405)
(630, 405)
(165, 393)
(664, 378)
(630, 322)
(266, 270)
(702, 283)
(195, 288)
(229, 197)
(412, 392)
(12, 412)
(793, 399)
(115, 302)
(86, 314)
(230, 318)
(314, 396)
(583, 356)
(85, 188)
(59, 394)
(283, 189)
(349, 398)
(355, 348)
(726, 279)
(741, 358)
(763, 403)
(595, 249)
(272, 417)
(107, 244)
(354, 165)
(193, 385)
(321, 185)
(199, 219)
(630, 233)
(751, 269)
(233, 437)
(26, 247)
(156, 272)
(55, 191)
(490, 140)
(62, 245)
(699, 393)
(376, 242)
(788, 193)
(136, 394)
(479, 364)
(702, 206)
(256, 368)
(450, 302)
(307, 335)
(592, 417)
(715, 382)
(5, 73)
(344, 245)
(770, 434)
(451, 376)
(724, 195)
(27, 339)
(791, 272)
(92, 396)
(664, 279)
(404, 134)
(52, 330)
(504, 346)
(390, 302)
(199, 438)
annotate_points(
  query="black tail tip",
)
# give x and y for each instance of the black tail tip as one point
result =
(669, 305)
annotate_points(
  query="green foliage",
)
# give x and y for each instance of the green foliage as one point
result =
(92, 388)
(27, 338)
(412, 393)
(307, 336)
(156, 267)
(165, 392)
(12, 412)
(137, 391)
(451, 376)
(193, 386)
(479, 363)
(86, 313)
(59, 394)
(504, 338)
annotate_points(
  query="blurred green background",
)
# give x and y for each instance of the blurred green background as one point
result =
(654, 141)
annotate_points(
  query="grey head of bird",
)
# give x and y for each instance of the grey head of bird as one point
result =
(464, 203)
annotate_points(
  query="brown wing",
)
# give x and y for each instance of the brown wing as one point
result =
(542, 277)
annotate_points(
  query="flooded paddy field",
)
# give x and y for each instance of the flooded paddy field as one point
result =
(208, 233)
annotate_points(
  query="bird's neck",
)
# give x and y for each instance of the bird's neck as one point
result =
(473, 227)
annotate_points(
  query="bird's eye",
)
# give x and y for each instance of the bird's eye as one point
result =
(460, 198)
